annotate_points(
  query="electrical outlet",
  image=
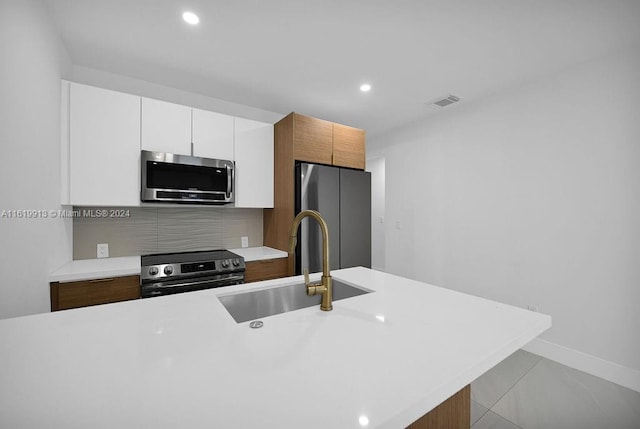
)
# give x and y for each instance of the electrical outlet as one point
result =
(245, 241)
(533, 308)
(103, 250)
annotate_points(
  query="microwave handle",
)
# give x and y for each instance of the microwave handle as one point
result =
(230, 180)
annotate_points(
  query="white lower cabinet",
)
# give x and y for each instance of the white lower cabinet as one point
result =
(102, 147)
(254, 163)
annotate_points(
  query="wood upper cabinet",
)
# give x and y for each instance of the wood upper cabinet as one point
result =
(312, 139)
(348, 147)
(302, 138)
(324, 142)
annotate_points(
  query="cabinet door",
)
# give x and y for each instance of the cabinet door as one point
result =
(265, 270)
(104, 147)
(254, 163)
(348, 147)
(312, 139)
(212, 135)
(166, 127)
(93, 292)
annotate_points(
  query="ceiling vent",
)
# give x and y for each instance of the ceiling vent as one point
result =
(444, 102)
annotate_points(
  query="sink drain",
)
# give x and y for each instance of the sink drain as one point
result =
(256, 324)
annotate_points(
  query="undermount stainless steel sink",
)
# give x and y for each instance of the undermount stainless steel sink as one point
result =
(267, 302)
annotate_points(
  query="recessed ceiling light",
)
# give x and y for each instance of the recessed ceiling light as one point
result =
(364, 421)
(190, 18)
(365, 87)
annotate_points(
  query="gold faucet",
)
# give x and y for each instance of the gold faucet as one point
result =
(325, 288)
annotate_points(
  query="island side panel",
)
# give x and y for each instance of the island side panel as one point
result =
(454, 413)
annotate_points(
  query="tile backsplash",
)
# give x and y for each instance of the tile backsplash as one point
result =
(141, 230)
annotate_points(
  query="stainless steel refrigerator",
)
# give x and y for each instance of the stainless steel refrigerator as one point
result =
(343, 198)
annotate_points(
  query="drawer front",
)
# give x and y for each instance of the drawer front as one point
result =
(265, 270)
(94, 292)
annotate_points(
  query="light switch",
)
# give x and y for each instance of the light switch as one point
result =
(245, 241)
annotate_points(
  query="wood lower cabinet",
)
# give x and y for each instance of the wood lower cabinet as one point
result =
(93, 292)
(266, 269)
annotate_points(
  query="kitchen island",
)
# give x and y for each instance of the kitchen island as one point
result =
(378, 360)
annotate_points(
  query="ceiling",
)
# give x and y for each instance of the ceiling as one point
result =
(311, 56)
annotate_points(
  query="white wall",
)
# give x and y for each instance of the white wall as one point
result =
(376, 167)
(33, 61)
(531, 197)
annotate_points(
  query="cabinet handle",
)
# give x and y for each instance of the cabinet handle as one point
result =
(100, 280)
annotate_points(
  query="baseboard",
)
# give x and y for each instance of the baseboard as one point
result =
(627, 377)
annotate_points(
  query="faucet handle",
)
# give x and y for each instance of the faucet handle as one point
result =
(306, 276)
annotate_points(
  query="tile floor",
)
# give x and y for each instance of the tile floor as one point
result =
(530, 392)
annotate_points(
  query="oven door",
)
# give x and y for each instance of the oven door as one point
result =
(149, 290)
(181, 178)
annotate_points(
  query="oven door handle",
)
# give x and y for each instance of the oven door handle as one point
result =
(176, 285)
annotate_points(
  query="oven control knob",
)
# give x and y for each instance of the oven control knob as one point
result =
(153, 271)
(168, 270)
(236, 262)
(225, 263)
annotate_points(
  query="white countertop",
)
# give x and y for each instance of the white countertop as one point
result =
(182, 361)
(259, 253)
(87, 269)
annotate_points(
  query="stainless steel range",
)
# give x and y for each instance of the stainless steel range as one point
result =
(169, 273)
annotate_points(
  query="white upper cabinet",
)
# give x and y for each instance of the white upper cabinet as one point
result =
(212, 135)
(103, 132)
(166, 127)
(254, 163)
(103, 146)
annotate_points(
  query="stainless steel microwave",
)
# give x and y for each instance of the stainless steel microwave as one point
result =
(167, 177)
